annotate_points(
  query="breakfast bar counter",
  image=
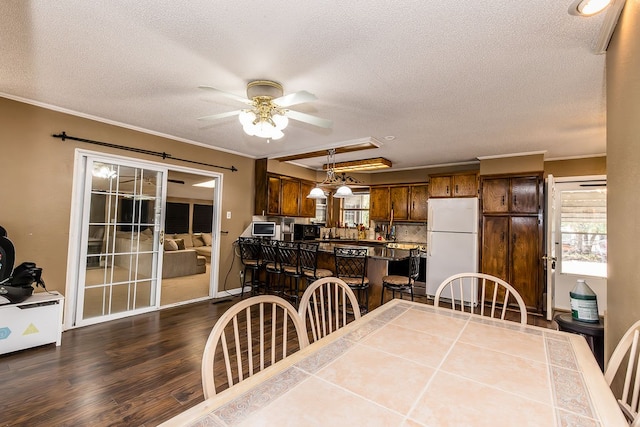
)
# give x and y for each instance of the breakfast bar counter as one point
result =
(411, 364)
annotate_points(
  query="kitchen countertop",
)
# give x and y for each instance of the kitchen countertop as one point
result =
(374, 251)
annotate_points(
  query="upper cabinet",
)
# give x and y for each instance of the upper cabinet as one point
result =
(408, 202)
(519, 195)
(454, 185)
(281, 195)
(379, 203)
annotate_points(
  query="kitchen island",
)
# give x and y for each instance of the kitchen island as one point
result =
(377, 264)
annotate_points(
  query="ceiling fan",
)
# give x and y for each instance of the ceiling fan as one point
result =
(267, 114)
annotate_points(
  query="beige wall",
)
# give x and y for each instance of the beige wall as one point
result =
(512, 164)
(576, 167)
(623, 165)
(37, 175)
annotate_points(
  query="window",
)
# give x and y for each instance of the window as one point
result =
(583, 227)
(176, 218)
(202, 218)
(354, 210)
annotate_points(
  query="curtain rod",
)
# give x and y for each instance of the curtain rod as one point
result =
(164, 155)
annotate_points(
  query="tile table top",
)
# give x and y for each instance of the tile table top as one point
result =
(410, 364)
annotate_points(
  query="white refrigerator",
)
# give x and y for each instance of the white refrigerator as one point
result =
(452, 241)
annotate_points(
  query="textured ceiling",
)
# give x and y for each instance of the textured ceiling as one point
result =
(451, 80)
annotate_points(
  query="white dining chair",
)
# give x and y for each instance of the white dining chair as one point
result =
(327, 305)
(250, 336)
(627, 348)
(494, 295)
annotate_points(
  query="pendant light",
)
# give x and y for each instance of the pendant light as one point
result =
(331, 179)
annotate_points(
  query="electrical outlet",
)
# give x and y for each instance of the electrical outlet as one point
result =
(241, 275)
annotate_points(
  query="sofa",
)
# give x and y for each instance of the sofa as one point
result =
(178, 260)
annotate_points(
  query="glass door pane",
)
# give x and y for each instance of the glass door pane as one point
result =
(123, 207)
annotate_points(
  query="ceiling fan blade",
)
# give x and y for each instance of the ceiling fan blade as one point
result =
(308, 118)
(220, 116)
(227, 94)
(294, 99)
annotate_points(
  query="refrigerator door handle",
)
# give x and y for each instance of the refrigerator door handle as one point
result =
(429, 242)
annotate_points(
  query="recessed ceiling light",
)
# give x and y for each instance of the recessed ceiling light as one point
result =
(389, 137)
(588, 7)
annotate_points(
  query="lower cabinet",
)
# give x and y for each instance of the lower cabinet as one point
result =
(511, 250)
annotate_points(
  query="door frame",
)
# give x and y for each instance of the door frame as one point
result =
(599, 285)
(76, 226)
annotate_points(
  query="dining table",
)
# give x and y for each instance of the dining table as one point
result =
(413, 364)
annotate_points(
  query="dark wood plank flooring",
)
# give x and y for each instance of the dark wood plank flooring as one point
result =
(138, 371)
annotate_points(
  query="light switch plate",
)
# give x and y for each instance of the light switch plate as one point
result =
(228, 214)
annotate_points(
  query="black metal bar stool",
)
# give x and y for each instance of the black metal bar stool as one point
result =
(402, 283)
(251, 258)
(289, 255)
(351, 267)
(309, 263)
(272, 267)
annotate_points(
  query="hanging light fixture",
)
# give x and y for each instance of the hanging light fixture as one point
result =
(341, 181)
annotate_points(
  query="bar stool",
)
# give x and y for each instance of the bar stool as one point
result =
(351, 267)
(272, 267)
(289, 256)
(251, 258)
(309, 263)
(403, 283)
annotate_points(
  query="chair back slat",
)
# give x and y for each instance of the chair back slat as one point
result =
(494, 295)
(628, 348)
(327, 305)
(233, 338)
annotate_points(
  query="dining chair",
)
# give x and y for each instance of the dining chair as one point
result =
(462, 289)
(250, 336)
(289, 256)
(402, 283)
(251, 258)
(271, 265)
(309, 262)
(351, 267)
(327, 305)
(627, 349)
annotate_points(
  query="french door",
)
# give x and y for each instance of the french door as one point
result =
(120, 234)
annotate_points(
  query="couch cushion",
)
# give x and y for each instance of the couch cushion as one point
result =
(188, 243)
(206, 238)
(170, 245)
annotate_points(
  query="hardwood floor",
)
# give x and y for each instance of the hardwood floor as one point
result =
(138, 371)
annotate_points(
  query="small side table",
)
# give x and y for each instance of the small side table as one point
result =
(593, 333)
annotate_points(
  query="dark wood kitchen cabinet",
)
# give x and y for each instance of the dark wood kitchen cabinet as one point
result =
(457, 185)
(399, 198)
(379, 203)
(511, 241)
(409, 202)
(281, 195)
(418, 202)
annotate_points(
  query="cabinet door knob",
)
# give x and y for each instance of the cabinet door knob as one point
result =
(456, 188)
(502, 201)
(447, 189)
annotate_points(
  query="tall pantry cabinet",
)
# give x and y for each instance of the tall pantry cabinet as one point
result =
(512, 233)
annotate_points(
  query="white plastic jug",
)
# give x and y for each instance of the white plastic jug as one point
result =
(584, 303)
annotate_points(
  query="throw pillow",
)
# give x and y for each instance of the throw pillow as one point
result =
(197, 240)
(180, 243)
(187, 239)
(206, 238)
(170, 245)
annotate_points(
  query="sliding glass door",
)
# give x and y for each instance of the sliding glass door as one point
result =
(120, 240)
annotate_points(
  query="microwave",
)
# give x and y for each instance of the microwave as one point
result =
(306, 232)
